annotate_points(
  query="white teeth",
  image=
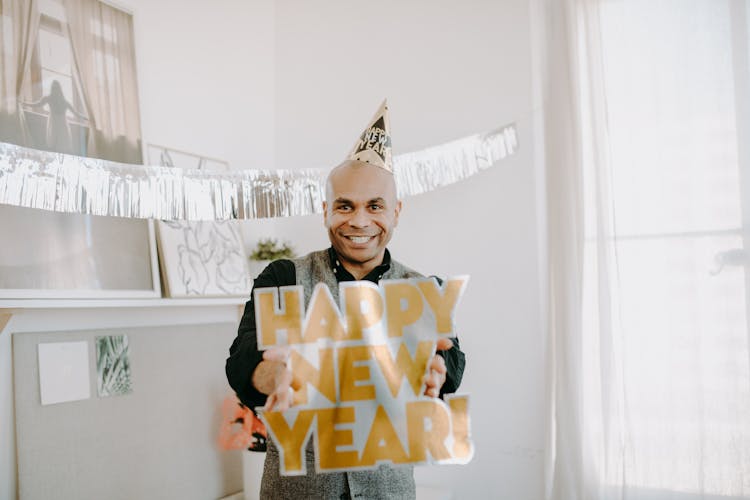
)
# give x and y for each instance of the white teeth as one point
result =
(360, 239)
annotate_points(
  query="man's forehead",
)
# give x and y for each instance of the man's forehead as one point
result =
(360, 194)
(351, 199)
(359, 181)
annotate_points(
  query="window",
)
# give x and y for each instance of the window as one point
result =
(676, 77)
(52, 61)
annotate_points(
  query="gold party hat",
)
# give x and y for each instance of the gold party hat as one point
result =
(374, 145)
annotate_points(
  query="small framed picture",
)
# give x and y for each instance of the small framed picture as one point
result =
(197, 258)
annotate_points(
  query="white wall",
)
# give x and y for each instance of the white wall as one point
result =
(206, 81)
(205, 72)
(448, 69)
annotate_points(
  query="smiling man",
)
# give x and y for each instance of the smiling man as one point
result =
(360, 212)
(361, 215)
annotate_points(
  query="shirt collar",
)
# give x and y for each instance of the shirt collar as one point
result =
(343, 275)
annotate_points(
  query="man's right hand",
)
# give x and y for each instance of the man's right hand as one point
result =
(274, 378)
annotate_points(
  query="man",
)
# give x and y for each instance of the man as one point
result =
(360, 212)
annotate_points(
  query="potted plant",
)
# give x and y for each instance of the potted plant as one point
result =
(266, 251)
(241, 429)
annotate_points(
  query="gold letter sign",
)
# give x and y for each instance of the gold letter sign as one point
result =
(358, 369)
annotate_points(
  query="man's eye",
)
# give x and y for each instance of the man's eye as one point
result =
(375, 206)
(344, 208)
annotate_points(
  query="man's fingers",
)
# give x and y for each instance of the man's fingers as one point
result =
(281, 398)
(436, 378)
(432, 387)
(280, 354)
(444, 344)
(270, 402)
(283, 401)
(433, 382)
(438, 364)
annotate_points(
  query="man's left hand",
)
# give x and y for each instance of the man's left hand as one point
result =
(436, 377)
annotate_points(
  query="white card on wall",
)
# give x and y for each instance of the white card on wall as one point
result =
(64, 372)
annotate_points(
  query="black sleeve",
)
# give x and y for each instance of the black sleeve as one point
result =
(455, 362)
(244, 355)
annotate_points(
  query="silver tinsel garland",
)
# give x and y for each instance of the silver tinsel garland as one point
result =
(65, 183)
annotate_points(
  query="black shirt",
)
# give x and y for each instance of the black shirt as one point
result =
(244, 355)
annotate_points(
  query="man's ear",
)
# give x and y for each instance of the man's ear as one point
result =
(325, 214)
(397, 212)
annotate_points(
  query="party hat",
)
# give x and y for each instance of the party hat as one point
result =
(374, 145)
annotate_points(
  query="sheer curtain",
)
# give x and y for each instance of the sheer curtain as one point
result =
(19, 25)
(573, 105)
(104, 54)
(648, 207)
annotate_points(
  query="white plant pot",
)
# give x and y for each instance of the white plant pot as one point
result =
(252, 473)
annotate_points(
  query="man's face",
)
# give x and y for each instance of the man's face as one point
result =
(360, 213)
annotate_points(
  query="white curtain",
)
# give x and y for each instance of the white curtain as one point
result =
(571, 63)
(104, 54)
(19, 26)
(647, 142)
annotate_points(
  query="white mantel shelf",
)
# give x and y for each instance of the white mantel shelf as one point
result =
(21, 304)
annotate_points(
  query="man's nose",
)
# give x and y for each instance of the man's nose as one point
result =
(359, 218)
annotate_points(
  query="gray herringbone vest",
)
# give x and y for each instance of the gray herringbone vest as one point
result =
(386, 482)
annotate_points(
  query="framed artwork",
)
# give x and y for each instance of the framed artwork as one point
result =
(74, 63)
(203, 259)
(199, 259)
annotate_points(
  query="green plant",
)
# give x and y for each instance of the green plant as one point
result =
(271, 249)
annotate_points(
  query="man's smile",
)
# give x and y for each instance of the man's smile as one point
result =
(359, 239)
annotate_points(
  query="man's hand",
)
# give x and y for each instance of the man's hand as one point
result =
(274, 378)
(435, 379)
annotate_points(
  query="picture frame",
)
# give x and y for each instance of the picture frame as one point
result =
(103, 271)
(203, 259)
(199, 258)
(50, 255)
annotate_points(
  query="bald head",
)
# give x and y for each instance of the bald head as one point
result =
(355, 171)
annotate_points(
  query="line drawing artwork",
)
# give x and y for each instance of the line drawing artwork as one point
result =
(203, 258)
(200, 258)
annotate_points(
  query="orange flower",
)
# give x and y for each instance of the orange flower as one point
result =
(240, 427)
